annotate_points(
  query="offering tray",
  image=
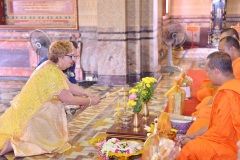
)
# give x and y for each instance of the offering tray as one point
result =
(120, 149)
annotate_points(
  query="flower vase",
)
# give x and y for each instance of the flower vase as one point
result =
(136, 122)
(145, 111)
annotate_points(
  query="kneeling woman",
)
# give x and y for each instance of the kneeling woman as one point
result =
(36, 122)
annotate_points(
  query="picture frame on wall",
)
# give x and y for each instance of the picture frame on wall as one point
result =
(30, 14)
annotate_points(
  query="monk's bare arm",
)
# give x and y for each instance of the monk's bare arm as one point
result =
(186, 138)
(200, 132)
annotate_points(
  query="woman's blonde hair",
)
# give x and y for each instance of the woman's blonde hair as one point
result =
(58, 49)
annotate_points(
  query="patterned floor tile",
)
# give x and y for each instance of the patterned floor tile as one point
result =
(94, 121)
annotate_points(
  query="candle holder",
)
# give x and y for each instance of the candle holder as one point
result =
(118, 121)
(126, 120)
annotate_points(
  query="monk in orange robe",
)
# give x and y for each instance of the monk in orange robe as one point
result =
(206, 88)
(218, 140)
(231, 46)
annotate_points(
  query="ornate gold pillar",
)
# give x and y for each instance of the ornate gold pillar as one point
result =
(218, 21)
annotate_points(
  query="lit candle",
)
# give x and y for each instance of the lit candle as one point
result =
(118, 103)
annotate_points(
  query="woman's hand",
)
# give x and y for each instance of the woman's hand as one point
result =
(94, 99)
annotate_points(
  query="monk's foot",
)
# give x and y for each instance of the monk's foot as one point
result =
(7, 148)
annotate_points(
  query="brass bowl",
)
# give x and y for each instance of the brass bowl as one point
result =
(126, 119)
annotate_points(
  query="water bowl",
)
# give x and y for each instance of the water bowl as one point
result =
(181, 125)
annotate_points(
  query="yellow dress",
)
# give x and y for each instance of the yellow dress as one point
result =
(36, 122)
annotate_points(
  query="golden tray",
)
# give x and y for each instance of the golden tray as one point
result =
(94, 141)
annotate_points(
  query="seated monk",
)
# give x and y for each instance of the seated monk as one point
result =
(229, 46)
(218, 140)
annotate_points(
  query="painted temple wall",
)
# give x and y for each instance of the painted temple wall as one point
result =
(122, 40)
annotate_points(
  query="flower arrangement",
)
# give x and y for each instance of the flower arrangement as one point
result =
(134, 99)
(140, 93)
(147, 85)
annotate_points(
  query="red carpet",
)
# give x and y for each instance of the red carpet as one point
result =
(190, 104)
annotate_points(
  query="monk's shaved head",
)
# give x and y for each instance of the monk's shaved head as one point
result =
(230, 42)
(221, 61)
(229, 32)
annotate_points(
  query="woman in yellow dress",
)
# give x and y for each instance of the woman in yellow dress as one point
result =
(36, 122)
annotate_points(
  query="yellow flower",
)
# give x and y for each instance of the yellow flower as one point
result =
(144, 92)
(149, 80)
(133, 91)
(148, 85)
(131, 103)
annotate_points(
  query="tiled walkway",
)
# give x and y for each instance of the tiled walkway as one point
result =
(95, 120)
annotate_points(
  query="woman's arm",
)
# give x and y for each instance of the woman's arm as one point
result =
(77, 90)
(68, 98)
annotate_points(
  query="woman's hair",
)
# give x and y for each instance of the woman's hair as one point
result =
(221, 61)
(58, 49)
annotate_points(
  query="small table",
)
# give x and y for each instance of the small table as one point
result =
(128, 133)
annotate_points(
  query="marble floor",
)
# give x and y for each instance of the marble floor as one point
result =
(94, 121)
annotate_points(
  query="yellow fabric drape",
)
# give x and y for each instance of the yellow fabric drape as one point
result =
(44, 84)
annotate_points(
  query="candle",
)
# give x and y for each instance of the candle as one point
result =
(124, 98)
(118, 105)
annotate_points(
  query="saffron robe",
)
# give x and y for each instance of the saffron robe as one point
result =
(219, 141)
(207, 89)
(236, 67)
(204, 108)
(202, 114)
(36, 121)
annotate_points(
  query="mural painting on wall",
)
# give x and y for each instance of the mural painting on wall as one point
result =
(42, 13)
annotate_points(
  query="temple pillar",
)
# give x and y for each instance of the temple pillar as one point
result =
(112, 42)
(149, 40)
(134, 40)
(126, 46)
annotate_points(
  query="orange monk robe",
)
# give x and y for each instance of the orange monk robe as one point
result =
(219, 141)
(202, 114)
(236, 67)
(207, 89)
(203, 109)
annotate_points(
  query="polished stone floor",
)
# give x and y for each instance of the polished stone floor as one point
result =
(95, 120)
